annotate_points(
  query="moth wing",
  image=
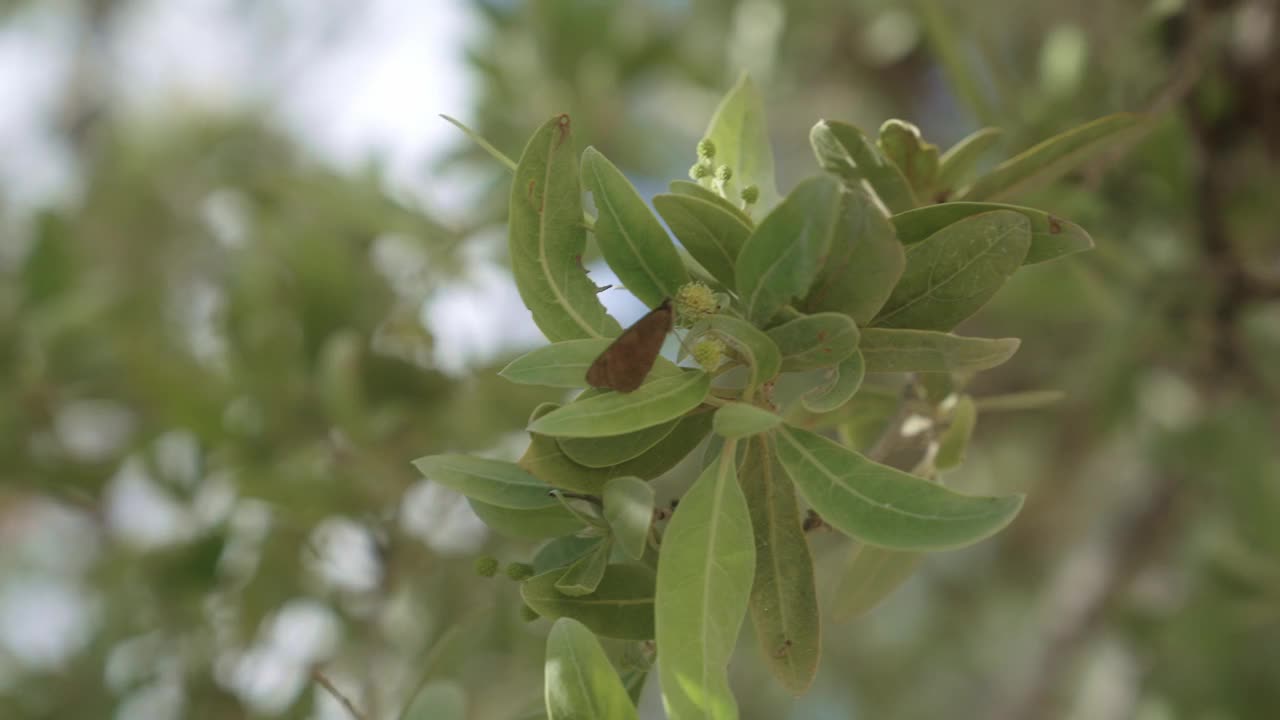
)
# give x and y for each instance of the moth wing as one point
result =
(624, 365)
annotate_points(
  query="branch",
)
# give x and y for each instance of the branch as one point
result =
(328, 685)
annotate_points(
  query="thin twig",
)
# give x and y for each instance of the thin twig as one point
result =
(328, 685)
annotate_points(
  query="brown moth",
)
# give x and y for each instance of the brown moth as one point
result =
(625, 364)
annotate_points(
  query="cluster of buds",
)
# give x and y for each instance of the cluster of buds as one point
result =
(718, 177)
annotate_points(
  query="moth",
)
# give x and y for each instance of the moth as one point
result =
(625, 364)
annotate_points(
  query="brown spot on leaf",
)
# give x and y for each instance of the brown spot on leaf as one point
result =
(1055, 225)
(562, 124)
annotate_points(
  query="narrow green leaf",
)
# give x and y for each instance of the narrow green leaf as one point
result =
(957, 163)
(1051, 237)
(490, 481)
(712, 235)
(693, 189)
(704, 582)
(562, 552)
(585, 574)
(438, 700)
(1051, 159)
(614, 413)
(845, 379)
(863, 265)
(580, 682)
(485, 145)
(872, 575)
(741, 419)
(547, 461)
(752, 346)
(955, 439)
(564, 364)
(956, 271)
(742, 141)
(630, 237)
(931, 351)
(844, 150)
(686, 436)
(815, 341)
(783, 256)
(628, 507)
(620, 607)
(784, 600)
(547, 238)
(615, 449)
(900, 141)
(882, 506)
(544, 522)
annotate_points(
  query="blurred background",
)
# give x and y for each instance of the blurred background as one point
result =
(247, 274)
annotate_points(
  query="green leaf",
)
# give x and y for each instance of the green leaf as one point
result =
(845, 379)
(693, 189)
(547, 461)
(784, 600)
(615, 413)
(898, 351)
(438, 700)
(956, 271)
(630, 237)
(704, 582)
(956, 164)
(712, 235)
(742, 140)
(547, 238)
(863, 265)
(955, 439)
(551, 521)
(847, 152)
(872, 574)
(783, 256)
(1051, 237)
(628, 508)
(584, 575)
(564, 364)
(752, 346)
(614, 449)
(621, 606)
(815, 341)
(882, 506)
(901, 142)
(562, 552)
(1051, 159)
(580, 682)
(741, 419)
(493, 482)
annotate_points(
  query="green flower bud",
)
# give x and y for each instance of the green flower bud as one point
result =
(519, 571)
(750, 194)
(695, 301)
(699, 171)
(706, 149)
(724, 174)
(709, 352)
(486, 566)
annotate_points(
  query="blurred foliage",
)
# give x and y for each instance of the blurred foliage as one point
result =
(211, 314)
